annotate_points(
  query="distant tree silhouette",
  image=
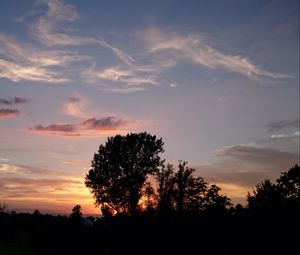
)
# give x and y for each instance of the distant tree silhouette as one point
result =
(3, 207)
(166, 181)
(265, 195)
(189, 191)
(289, 185)
(182, 192)
(119, 170)
(36, 212)
(214, 200)
(149, 197)
(76, 213)
(285, 191)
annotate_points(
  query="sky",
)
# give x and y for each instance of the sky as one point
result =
(217, 80)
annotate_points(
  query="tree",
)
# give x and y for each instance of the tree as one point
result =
(181, 191)
(216, 201)
(189, 190)
(165, 179)
(120, 168)
(76, 213)
(3, 207)
(270, 196)
(149, 197)
(289, 185)
(265, 195)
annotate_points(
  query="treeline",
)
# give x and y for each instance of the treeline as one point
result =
(269, 224)
(149, 207)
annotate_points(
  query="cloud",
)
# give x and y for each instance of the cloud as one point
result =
(127, 59)
(89, 127)
(13, 101)
(250, 152)
(30, 188)
(16, 73)
(25, 62)
(128, 76)
(224, 172)
(173, 85)
(279, 125)
(9, 113)
(267, 158)
(195, 48)
(124, 90)
(49, 30)
(34, 187)
(13, 169)
(280, 136)
(75, 106)
(238, 168)
(60, 11)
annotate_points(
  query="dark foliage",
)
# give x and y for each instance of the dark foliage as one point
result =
(182, 192)
(172, 213)
(120, 169)
(285, 193)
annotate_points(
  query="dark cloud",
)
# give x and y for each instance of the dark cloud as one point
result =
(105, 124)
(279, 125)
(225, 174)
(74, 99)
(9, 113)
(13, 101)
(247, 165)
(254, 154)
(244, 166)
(55, 127)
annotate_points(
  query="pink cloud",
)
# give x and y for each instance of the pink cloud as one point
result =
(88, 127)
(9, 113)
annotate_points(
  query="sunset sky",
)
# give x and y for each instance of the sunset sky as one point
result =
(217, 80)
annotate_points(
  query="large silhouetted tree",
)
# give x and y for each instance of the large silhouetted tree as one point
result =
(119, 170)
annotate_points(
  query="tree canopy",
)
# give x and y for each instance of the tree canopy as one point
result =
(181, 191)
(285, 192)
(119, 170)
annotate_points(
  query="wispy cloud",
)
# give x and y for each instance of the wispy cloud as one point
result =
(124, 90)
(25, 62)
(127, 59)
(283, 135)
(9, 113)
(164, 49)
(13, 101)
(13, 169)
(279, 125)
(16, 72)
(49, 30)
(89, 127)
(128, 76)
(195, 48)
